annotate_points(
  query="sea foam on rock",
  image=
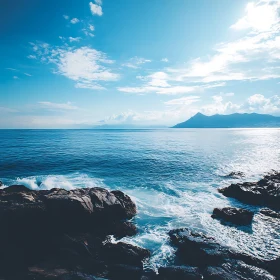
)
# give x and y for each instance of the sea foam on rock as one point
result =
(236, 216)
(198, 250)
(60, 234)
(264, 192)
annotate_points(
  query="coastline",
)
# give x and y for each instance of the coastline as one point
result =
(59, 234)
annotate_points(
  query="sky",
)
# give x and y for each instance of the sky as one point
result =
(82, 64)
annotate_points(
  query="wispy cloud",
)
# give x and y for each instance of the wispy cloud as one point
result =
(242, 59)
(74, 20)
(57, 106)
(160, 83)
(135, 62)
(16, 77)
(12, 69)
(74, 39)
(183, 101)
(96, 9)
(164, 59)
(66, 17)
(27, 74)
(86, 66)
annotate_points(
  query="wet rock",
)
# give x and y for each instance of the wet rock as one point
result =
(1, 184)
(234, 215)
(270, 213)
(64, 228)
(179, 273)
(197, 249)
(236, 174)
(123, 253)
(237, 270)
(128, 272)
(264, 192)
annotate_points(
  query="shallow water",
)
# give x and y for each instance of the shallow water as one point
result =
(172, 175)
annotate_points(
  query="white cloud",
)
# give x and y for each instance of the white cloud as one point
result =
(27, 74)
(165, 59)
(98, 2)
(183, 101)
(87, 33)
(243, 58)
(12, 69)
(260, 16)
(91, 27)
(16, 77)
(66, 17)
(57, 106)
(95, 9)
(86, 66)
(74, 20)
(74, 39)
(31, 56)
(135, 62)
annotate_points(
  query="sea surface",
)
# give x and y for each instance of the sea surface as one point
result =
(171, 174)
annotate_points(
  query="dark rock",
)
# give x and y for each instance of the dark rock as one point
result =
(264, 192)
(122, 271)
(236, 174)
(196, 249)
(179, 273)
(123, 253)
(16, 188)
(270, 213)
(1, 184)
(122, 229)
(64, 228)
(233, 215)
(237, 270)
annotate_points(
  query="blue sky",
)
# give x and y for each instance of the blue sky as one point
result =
(68, 64)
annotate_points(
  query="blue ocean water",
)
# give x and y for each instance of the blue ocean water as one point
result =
(171, 174)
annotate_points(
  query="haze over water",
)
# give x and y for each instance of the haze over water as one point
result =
(171, 174)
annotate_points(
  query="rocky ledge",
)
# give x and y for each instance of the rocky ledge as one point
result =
(204, 258)
(264, 192)
(236, 216)
(59, 234)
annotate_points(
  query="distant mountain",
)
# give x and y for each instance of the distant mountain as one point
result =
(230, 121)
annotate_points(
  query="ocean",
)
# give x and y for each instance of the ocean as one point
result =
(171, 174)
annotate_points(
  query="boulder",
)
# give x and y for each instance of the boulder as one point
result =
(233, 215)
(125, 272)
(270, 213)
(197, 249)
(236, 174)
(66, 229)
(264, 192)
(123, 253)
(179, 273)
(236, 270)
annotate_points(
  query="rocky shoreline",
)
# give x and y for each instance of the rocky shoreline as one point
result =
(59, 234)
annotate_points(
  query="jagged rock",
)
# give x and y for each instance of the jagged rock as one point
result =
(264, 192)
(65, 228)
(1, 184)
(237, 270)
(179, 273)
(123, 253)
(270, 213)
(197, 249)
(125, 272)
(233, 215)
(236, 174)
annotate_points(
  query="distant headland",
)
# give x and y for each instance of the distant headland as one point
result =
(236, 120)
